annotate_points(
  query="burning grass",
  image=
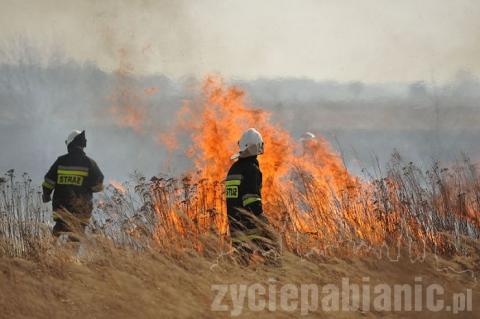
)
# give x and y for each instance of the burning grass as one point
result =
(309, 197)
(433, 210)
(149, 253)
(329, 223)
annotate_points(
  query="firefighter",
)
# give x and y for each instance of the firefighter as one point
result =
(72, 179)
(244, 198)
(307, 139)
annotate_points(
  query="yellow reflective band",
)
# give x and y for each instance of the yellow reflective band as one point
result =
(47, 185)
(251, 200)
(233, 182)
(71, 172)
(72, 168)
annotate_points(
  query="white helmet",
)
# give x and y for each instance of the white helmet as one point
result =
(251, 144)
(72, 136)
(307, 136)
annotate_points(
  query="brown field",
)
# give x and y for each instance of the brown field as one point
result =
(120, 283)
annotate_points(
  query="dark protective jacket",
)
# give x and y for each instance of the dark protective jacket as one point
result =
(73, 178)
(244, 191)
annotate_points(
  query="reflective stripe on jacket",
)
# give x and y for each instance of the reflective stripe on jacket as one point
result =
(73, 178)
(243, 190)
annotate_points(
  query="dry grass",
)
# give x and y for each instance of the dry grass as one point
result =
(110, 282)
(154, 248)
(436, 209)
(23, 218)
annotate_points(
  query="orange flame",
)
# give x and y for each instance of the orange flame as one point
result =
(214, 127)
(306, 187)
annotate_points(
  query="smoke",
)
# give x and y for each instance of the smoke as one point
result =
(370, 40)
(40, 105)
(424, 121)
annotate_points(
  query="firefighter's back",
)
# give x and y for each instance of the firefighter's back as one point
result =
(76, 176)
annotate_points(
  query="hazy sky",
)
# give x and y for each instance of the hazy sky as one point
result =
(367, 40)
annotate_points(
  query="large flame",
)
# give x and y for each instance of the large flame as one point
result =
(306, 188)
(216, 126)
(299, 180)
(307, 191)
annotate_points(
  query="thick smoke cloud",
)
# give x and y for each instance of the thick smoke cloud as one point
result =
(40, 105)
(368, 40)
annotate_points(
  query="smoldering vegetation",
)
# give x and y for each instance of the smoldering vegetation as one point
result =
(434, 210)
(428, 215)
(126, 116)
(424, 121)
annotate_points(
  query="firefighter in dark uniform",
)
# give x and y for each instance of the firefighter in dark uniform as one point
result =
(73, 178)
(244, 198)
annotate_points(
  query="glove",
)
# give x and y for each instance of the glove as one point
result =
(46, 198)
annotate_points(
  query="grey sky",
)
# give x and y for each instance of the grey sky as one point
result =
(368, 40)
